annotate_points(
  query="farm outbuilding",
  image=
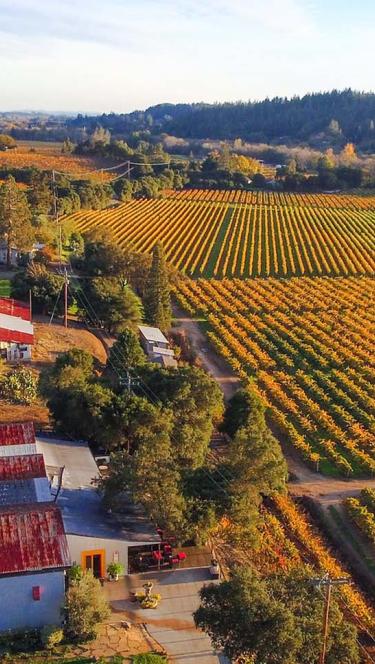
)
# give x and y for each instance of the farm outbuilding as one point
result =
(16, 330)
(156, 346)
(14, 254)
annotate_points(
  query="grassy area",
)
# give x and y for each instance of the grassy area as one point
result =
(4, 287)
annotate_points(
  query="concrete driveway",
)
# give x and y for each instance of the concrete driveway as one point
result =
(171, 624)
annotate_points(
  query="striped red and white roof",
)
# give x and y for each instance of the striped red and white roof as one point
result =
(32, 537)
(16, 330)
(15, 308)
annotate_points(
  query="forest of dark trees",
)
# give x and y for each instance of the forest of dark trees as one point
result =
(316, 118)
(319, 120)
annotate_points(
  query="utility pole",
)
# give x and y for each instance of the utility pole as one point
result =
(66, 282)
(128, 383)
(56, 215)
(327, 582)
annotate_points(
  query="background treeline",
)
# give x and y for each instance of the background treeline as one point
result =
(279, 119)
(316, 119)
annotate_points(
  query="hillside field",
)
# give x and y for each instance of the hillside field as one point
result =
(309, 346)
(248, 234)
(48, 156)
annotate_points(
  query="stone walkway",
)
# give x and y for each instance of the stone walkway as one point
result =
(117, 639)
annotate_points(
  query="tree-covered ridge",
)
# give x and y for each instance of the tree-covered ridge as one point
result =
(352, 113)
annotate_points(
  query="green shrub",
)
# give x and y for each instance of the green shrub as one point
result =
(51, 636)
(85, 607)
(19, 386)
(17, 641)
(75, 573)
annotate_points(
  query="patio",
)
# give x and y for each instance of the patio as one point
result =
(171, 623)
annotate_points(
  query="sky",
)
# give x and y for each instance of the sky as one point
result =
(122, 55)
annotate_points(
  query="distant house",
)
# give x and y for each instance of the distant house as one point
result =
(16, 330)
(33, 547)
(156, 346)
(14, 254)
(95, 537)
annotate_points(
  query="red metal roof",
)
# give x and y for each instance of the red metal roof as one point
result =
(14, 308)
(32, 538)
(14, 336)
(21, 433)
(24, 467)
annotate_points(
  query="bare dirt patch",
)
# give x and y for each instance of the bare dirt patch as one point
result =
(51, 340)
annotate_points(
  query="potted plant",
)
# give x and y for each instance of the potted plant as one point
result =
(114, 570)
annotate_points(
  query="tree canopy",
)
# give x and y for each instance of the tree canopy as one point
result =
(112, 303)
(15, 218)
(274, 620)
(157, 299)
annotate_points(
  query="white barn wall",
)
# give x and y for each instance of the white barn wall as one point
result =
(18, 608)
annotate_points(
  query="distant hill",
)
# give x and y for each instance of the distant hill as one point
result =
(316, 118)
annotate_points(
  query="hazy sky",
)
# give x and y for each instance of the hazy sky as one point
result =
(103, 55)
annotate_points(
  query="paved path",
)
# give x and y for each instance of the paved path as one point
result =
(326, 490)
(171, 623)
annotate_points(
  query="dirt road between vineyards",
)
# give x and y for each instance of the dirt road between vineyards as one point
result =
(209, 358)
(304, 481)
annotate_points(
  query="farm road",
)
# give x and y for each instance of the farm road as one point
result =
(210, 360)
(305, 482)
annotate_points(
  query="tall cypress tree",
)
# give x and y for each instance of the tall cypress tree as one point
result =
(15, 218)
(157, 299)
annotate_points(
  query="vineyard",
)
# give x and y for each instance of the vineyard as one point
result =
(308, 344)
(48, 157)
(248, 234)
(289, 540)
(362, 512)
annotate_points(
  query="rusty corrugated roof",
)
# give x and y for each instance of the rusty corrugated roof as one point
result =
(20, 433)
(32, 538)
(23, 467)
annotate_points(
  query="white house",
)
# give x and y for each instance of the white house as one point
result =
(95, 537)
(156, 346)
(14, 254)
(16, 330)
